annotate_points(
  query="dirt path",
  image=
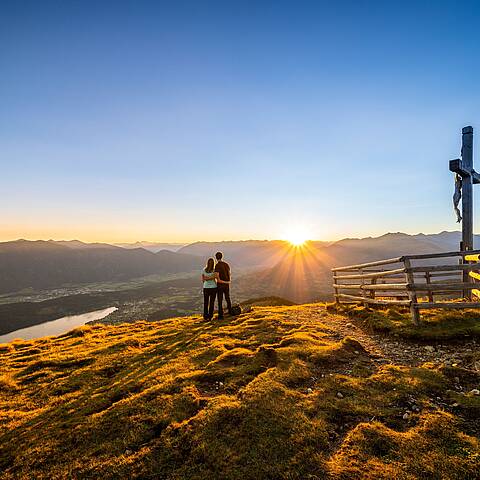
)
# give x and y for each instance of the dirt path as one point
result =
(396, 350)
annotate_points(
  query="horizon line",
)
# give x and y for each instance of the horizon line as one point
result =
(78, 239)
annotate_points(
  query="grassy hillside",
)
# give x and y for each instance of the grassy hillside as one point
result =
(279, 392)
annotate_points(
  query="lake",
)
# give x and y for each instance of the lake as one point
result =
(56, 327)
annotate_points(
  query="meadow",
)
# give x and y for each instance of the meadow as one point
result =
(278, 392)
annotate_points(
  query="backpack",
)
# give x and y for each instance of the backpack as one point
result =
(236, 310)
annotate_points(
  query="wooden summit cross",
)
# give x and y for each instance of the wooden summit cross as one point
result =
(464, 168)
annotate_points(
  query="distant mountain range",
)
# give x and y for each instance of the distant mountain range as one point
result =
(248, 253)
(278, 268)
(152, 246)
(48, 264)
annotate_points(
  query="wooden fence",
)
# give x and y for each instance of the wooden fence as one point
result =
(414, 281)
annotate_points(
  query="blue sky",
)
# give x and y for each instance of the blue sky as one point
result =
(181, 121)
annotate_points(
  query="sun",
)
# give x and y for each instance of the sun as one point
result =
(297, 241)
(296, 236)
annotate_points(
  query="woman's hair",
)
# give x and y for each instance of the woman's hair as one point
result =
(210, 265)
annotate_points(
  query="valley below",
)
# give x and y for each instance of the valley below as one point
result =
(60, 279)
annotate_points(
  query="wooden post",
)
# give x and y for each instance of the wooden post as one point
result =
(467, 189)
(337, 300)
(412, 295)
(464, 168)
(428, 280)
(467, 199)
(372, 292)
(364, 293)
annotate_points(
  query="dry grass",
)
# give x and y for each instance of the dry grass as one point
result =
(269, 394)
(437, 324)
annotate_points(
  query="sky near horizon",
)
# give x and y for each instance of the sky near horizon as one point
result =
(183, 121)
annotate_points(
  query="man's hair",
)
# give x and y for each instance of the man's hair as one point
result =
(219, 255)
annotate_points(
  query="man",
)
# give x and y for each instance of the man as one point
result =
(223, 284)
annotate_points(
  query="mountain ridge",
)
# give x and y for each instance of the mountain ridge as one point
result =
(43, 264)
(39, 264)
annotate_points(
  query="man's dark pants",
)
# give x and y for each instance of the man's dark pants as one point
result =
(223, 290)
(209, 295)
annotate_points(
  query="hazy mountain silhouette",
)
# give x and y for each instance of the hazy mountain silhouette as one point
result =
(48, 264)
(152, 246)
(281, 270)
(246, 253)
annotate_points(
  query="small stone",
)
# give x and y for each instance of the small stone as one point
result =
(475, 391)
(429, 348)
(454, 364)
(356, 352)
(349, 324)
(455, 404)
(339, 395)
(220, 384)
(128, 452)
(309, 390)
(457, 379)
(406, 415)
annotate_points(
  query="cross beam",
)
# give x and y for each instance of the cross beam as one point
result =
(457, 167)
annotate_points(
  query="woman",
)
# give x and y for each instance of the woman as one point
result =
(209, 277)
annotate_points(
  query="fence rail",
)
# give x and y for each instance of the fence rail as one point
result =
(400, 282)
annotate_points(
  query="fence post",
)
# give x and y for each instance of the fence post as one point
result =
(364, 293)
(335, 289)
(412, 295)
(428, 280)
(372, 293)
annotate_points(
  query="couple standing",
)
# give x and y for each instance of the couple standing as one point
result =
(216, 283)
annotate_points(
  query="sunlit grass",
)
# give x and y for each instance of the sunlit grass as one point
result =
(256, 396)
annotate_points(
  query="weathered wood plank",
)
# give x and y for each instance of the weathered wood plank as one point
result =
(453, 305)
(374, 287)
(446, 274)
(372, 275)
(441, 287)
(445, 268)
(369, 264)
(374, 302)
(426, 256)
